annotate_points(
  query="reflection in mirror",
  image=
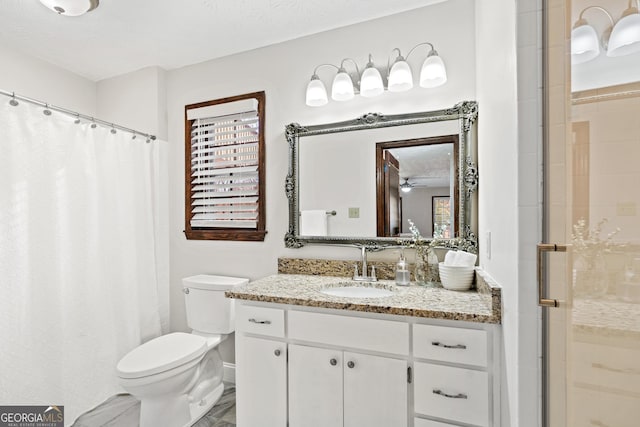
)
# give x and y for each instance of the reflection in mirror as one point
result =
(338, 193)
(411, 174)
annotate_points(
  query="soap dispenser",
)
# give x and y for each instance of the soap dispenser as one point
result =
(402, 271)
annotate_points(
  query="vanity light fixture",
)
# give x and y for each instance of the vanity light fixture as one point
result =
(406, 186)
(370, 83)
(621, 38)
(71, 7)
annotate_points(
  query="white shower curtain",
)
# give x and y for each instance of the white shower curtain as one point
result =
(83, 256)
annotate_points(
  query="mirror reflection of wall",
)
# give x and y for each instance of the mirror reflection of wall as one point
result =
(338, 172)
(413, 174)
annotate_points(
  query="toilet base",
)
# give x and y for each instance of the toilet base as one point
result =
(199, 409)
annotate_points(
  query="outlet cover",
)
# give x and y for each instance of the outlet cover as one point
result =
(626, 209)
(354, 212)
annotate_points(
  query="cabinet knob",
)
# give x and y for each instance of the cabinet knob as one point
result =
(351, 363)
(333, 362)
(277, 352)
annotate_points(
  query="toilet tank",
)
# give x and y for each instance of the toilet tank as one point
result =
(208, 310)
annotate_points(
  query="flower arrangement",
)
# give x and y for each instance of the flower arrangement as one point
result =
(587, 242)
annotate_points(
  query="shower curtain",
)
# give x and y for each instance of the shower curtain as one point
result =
(83, 256)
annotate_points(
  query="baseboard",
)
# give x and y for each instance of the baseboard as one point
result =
(229, 373)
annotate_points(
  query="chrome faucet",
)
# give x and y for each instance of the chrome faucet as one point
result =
(364, 277)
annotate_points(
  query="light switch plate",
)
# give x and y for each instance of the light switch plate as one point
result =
(354, 212)
(626, 208)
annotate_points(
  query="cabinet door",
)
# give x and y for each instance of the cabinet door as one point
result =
(375, 391)
(315, 387)
(261, 378)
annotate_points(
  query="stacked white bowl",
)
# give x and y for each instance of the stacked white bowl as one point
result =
(456, 272)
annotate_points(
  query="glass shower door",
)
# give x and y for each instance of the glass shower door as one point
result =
(592, 209)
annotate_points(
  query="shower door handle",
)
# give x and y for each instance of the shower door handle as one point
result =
(542, 248)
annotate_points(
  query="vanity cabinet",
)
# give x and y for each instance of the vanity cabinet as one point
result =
(261, 367)
(353, 369)
(606, 381)
(330, 387)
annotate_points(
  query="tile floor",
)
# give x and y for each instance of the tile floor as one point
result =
(123, 410)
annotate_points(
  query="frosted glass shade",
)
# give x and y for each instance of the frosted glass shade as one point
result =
(342, 87)
(70, 7)
(625, 37)
(433, 72)
(400, 77)
(371, 83)
(316, 93)
(584, 44)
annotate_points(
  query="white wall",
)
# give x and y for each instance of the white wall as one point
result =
(510, 132)
(498, 192)
(283, 71)
(417, 206)
(37, 79)
(136, 100)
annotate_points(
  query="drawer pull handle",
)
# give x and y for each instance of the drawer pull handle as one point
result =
(333, 362)
(450, 396)
(351, 364)
(277, 352)
(617, 370)
(439, 344)
(260, 322)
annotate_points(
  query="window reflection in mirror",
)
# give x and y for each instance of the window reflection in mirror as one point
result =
(417, 180)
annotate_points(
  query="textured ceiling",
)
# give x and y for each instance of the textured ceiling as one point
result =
(125, 35)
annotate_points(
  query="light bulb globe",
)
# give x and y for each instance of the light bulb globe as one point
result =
(625, 36)
(371, 82)
(433, 72)
(400, 77)
(342, 87)
(316, 93)
(584, 44)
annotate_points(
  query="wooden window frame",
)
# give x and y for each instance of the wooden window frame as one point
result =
(433, 214)
(219, 233)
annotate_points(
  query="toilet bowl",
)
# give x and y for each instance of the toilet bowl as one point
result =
(178, 377)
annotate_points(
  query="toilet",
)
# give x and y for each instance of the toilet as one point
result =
(178, 377)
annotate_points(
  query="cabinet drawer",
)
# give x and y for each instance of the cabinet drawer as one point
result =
(455, 394)
(421, 422)
(351, 332)
(260, 320)
(600, 409)
(456, 345)
(607, 366)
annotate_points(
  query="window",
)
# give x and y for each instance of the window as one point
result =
(224, 169)
(441, 216)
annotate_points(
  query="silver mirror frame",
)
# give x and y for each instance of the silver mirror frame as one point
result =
(466, 112)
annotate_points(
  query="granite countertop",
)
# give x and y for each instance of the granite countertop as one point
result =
(606, 316)
(414, 300)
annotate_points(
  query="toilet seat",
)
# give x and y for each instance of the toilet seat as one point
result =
(161, 354)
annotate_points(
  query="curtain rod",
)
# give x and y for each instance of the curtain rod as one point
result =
(77, 115)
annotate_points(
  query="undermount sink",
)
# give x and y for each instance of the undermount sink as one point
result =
(348, 290)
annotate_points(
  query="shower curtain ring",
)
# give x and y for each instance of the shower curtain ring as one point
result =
(13, 102)
(46, 110)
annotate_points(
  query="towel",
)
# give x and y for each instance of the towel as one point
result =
(313, 223)
(460, 259)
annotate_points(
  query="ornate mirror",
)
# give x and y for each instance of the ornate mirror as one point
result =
(358, 182)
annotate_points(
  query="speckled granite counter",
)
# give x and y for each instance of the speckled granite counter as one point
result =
(437, 303)
(606, 317)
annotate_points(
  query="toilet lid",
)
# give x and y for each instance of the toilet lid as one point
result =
(161, 354)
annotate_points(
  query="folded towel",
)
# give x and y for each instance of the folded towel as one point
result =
(450, 258)
(313, 223)
(465, 259)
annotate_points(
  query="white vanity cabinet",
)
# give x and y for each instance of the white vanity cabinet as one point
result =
(355, 369)
(261, 367)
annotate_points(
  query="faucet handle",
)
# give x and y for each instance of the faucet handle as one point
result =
(355, 270)
(373, 273)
